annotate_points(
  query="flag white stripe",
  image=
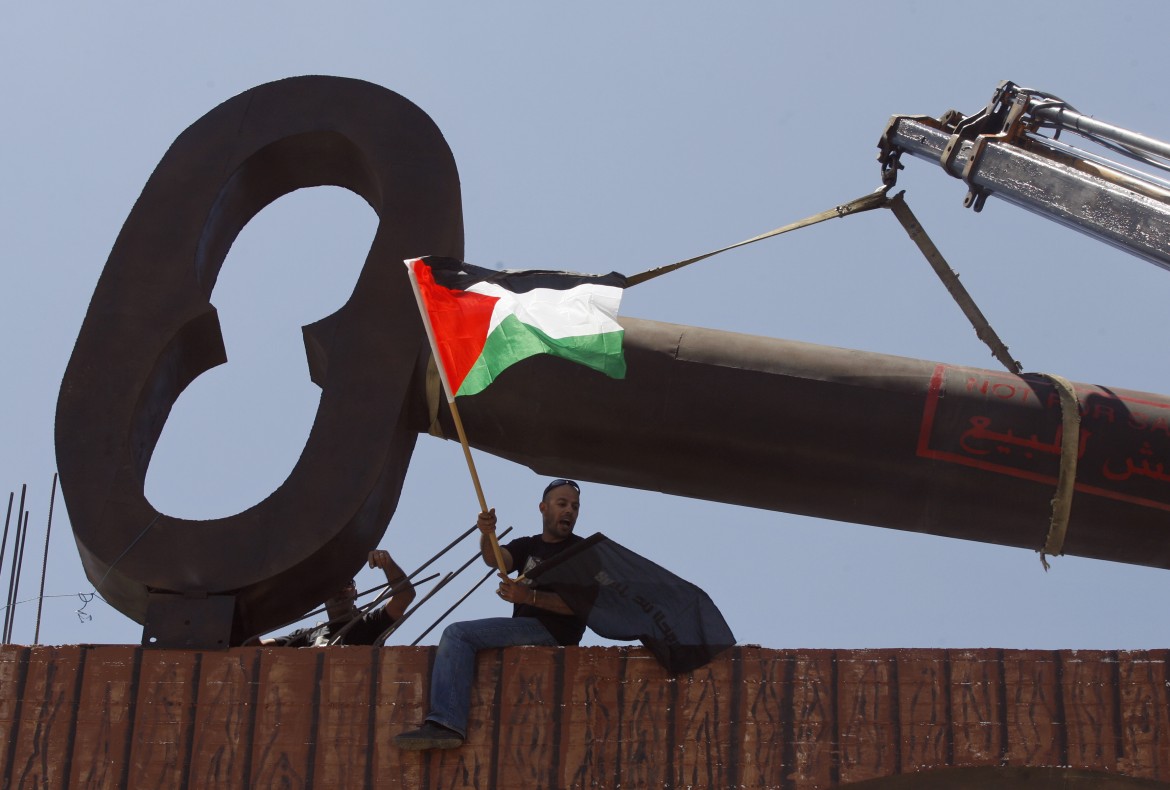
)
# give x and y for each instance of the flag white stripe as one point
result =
(586, 309)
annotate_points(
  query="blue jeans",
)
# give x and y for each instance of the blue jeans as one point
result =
(454, 669)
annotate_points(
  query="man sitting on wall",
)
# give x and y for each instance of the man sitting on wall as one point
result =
(539, 617)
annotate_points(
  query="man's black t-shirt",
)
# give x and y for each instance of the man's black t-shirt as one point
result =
(365, 631)
(527, 553)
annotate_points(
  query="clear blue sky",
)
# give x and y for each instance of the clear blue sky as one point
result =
(607, 136)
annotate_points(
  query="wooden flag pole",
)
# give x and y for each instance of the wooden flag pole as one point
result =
(422, 309)
(475, 479)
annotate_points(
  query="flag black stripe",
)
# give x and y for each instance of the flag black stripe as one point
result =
(457, 275)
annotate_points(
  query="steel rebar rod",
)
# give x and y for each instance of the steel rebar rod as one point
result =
(45, 561)
(7, 521)
(452, 608)
(345, 629)
(411, 576)
(439, 586)
(413, 573)
(254, 639)
(381, 640)
(12, 571)
(19, 569)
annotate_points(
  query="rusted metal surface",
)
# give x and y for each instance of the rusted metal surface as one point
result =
(116, 716)
(843, 435)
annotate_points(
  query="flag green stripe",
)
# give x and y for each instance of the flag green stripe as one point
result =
(513, 340)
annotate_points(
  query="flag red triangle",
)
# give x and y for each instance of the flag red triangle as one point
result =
(459, 320)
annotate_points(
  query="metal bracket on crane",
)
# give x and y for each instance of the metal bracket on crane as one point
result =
(1001, 120)
(1004, 150)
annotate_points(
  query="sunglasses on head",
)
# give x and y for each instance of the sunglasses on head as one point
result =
(558, 483)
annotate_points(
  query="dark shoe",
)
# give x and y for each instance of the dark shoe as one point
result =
(429, 736)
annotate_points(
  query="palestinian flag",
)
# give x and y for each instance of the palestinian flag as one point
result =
(480, 321)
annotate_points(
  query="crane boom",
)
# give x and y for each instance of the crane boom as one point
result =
(1004, 150)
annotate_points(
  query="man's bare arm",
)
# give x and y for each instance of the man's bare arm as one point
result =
(550, 601)
(517, 593)
(487, 528)
(395, 577)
